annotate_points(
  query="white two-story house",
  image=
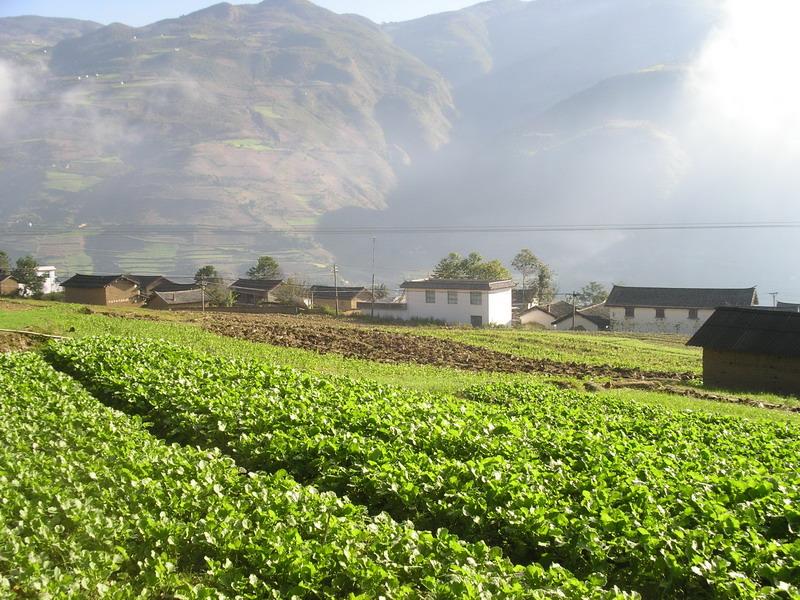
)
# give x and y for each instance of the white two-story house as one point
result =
(467, 301)
(671, 310)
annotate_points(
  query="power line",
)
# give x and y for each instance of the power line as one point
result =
(178, 230)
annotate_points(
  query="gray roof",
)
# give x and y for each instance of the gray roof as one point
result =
(93, 281)
(5, 275)
(457, 284)
(790, 306)
(329, 292)
(256, 285)
(681, 297)
(146, 282)
(180, 296)
(751, 330)
(555, 309)
(600, 321)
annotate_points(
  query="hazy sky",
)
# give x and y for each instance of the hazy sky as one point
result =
(143, 12)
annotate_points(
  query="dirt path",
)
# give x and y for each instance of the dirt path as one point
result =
(382, 346)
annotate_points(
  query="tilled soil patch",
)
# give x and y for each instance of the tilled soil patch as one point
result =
(383, 346)
(16, 342)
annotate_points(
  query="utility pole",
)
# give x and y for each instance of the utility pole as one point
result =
(372, 311)
(774, 298)
(203, 293)
(574, 309)
(336, 289)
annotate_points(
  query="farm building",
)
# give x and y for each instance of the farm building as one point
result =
(545, 314)
(176, 300)
(790, 306)
(349, 297)
(671, 310)
(147, 283)
(751, 348)
(591, 318)
(49, 282)
(8, 285)
(466, 301)
(252, 292)
(100, 289)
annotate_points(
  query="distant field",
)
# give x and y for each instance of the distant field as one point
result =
(69, 182)
(662, 353)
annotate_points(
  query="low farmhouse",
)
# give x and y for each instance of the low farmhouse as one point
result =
(348, 297)
(100, 289)
(467, 301)
(671, 310)
(751, 349)
(252, 292)
(591, 318)
(8, 285)
(546, 314)
(147, 283)
(176, 300)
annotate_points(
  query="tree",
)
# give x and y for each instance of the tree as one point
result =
(207, 274)
(454, 266)
(592, 293)
(25, 273)
(217, 294)
(266, 268)
(5, 263)
(529, 265)
(293, 292)
(381, 292)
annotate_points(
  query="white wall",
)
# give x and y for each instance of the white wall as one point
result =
(676, 320)
(537, 317)
(495, 307)
(49, 285)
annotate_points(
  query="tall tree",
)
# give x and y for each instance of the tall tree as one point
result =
(592, 293)
(206, 274)
(527, 263)
(25, 273)
(455, 266)
(266, 268)
(5, 263)
(218, 294)
(531, 267)
(293, 291)
(545, 286)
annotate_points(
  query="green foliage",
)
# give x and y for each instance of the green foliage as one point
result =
(454, 266)
(218, 294)
(207, 274)
(5, 263)
(592, 293)
(381, 293)
(25, 273)
(95, 506)
(266, 268)
(530, 266)
(293, 291)
(667, 504)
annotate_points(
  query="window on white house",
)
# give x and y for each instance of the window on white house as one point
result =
(693, 314)
(430, 296)
(660, 314)
(630, 312)
(452, 297)
(475, 298)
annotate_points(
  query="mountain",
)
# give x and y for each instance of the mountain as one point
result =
(251, 116)
(26, 38)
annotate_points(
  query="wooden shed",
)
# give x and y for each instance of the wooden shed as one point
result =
(8, 285)
(756, 349)
(100, 289)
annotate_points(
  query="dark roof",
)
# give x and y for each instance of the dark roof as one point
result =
(180, 297)
(93, 281)
(790, 306)
(600, 321)
(171, 286)
(256, 285)
(5, 275)
(383, 305)
(457, 284)
(681, 297)
(556, 309)
(323, 292)
(752, 330)
(145, 281)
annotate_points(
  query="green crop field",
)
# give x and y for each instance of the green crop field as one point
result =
(512, 490)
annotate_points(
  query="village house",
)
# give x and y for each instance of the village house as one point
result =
(467, 301)
(546, 314)
(790, 306)
(752, 349)
(100, 289)
(49, 282)
(591, 318)
(8, 285)
(176, 300)
(252, 292)
(671, 310)
(348, 297)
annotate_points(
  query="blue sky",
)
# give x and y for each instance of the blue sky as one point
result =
(142, 12)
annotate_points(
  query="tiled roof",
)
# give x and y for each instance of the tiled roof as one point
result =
(681, 297)
(556, 309)
(328, 292)
(257, 285)
(180, 296)
(145, 281)
(457, 284)
(93, 281)
(751, 330)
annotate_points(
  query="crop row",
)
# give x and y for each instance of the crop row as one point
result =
(646, 499)
(93, 505)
